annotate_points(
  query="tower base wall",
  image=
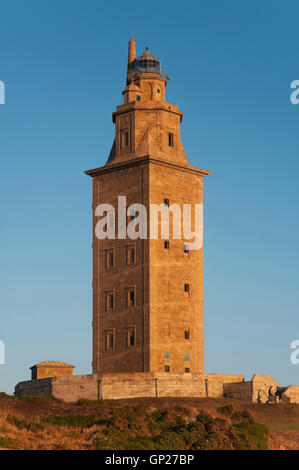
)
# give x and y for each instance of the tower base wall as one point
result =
(122, 386)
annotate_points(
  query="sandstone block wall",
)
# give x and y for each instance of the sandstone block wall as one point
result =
(238, 390)
(45, 372)
(133, 385)
(127, 385)
(180, 385)
(117, 386)
(39, 387)
(214, 383)
(73, 388)
(174, 312)
(291, 394)
(68, 389)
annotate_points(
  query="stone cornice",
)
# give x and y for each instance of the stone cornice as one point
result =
(149, 106)
(143, 160)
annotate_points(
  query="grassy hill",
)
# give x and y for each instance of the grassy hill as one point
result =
(163, 423)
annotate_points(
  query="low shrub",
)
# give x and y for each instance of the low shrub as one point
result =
(8, 443)
(226, 410)
(85, 401)
(250, 435)
(41, 399)
(241, 416)
(75, 421)
(5, 396)
(22, 424)
(18, 423)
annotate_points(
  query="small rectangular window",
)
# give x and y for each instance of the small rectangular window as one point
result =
(109, 259)
(109, 340)
(187, 334)
(166, 244)
(186, 357)
(130, 297)
(138, 97)
(124, 140)
(167, 355)
(187, 287)
(131, 337)
(166, 202)
(158, 90)
(187, 370)
(170, 139)
(167, 369)
(109, 300)
(131, 258)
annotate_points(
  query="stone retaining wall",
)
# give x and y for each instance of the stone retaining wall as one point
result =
(238, 390)
(39, 387)
(127, 385)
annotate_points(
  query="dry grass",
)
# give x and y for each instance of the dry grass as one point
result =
(39, 424)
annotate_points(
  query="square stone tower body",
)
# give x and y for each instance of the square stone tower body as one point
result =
(147, 292)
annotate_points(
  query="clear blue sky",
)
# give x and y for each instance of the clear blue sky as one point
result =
(231, 64)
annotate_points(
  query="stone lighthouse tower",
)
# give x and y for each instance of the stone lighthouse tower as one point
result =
(147, 290)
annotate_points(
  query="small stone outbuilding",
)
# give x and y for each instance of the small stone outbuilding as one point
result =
(48, 369)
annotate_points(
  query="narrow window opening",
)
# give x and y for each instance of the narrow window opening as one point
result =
(187, 370)
(166, 244)
(186, 249)
(131, 258)
(132, 340)
(170, 139)
(109, 301)
(187, 287)
(187, 334)
(130, 297)
(131, 337)
(109, 259)
(167, 369)
(109, 340)
(124, 140)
